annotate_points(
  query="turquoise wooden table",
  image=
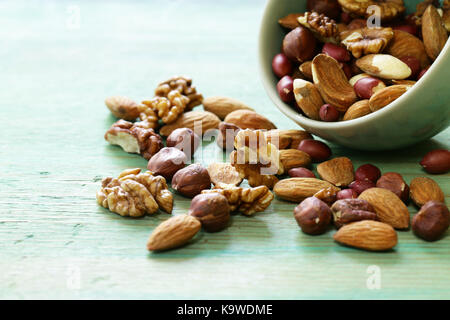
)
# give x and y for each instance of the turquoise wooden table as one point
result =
(59, 60)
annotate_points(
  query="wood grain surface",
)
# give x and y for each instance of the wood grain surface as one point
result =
(56, 242)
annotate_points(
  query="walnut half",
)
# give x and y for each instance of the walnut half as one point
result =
(389, 9)
(366, 40)
(135, 194)
(135, 137)
(324, 28)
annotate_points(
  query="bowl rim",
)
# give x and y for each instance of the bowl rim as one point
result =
(302, 120)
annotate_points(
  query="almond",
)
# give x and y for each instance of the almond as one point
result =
(224, 174)
(384, 66)
(404, 44)
(388, 207)
(338, 171)
(357, 110)
(203, 119)
(123, 107)
(290, 21)
(298, 189)
(433, 32)
(306, 69)
(293, 158)
(173, 233)
(332, 82)
(368, 235)
(222, 106)
(387, 95)
(424, 189)
(246, 119)
(287, 139)
(308, 98)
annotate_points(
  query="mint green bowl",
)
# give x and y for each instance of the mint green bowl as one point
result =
(419, 114)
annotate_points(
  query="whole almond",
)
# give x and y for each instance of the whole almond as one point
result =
(298, 189)
(388, 207)
(387, 95)
(384, 66)
(368, 235)
(293, 158)
(123, 107)
(357, 110)
(338, 171)
(203, 119)
(173, 233)
(424, 189)
(332, 82)
(222, 106)
(306, 69)
(286, 139)
(246, 119)
(308, 98)
(404, 44)
(433, 32)
(290, 21)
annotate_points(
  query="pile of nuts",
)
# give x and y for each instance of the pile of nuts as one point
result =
(365, 205)
(336, 65)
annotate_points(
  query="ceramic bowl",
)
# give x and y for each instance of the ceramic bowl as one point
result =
(419, 114)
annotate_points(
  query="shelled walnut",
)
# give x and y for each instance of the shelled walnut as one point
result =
(366, 40)
(184, 86)
(245, 200)
(135, 194)
(389, 9)
(135, 138)
(324, 28)
(168, 109)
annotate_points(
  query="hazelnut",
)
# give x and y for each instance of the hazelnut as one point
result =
(351, 210)
(227, 132)
(330, 8)
(394, 182)
(317, 150)
(167, 162)
(313, 216)
(212, 210)
(299, 45)
(190, 181)
(432, 221)
(436, 161)
(184, 139)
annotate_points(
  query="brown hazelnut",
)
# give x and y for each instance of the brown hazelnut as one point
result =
(212, 210)
(313, 216)
(351, 210)
(184, 139)
(299, 45)
(432, 221)
(394, 182)
(227, 132)
(190, 181)
(167, 162)
(330, 8)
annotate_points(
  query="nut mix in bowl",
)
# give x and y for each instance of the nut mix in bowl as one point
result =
(349, 77)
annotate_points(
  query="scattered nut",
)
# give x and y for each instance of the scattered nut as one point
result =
(404, 44)
(298, 189)
(184, 86)
(366, 40)
(293, 158)
(385, 96)
(308, 98)
(184, 139)
(173, 233)
(346, 194)
(394, 182)
(384, 66)
(359, 186)
(436, 161)
(290, 21)
(324, 28)
(122, 107)
(286, 139)
(317, 150)
(222, 106)
(328, 113)
(432, 221)
(197, 121)
(337, 52)
(313, 216)
(190, 181)
(330, 8)
(388, 207)
(338, 171)
(212, 210)
(167, 162)
(368, 86)
(281, 66)
(285, 88)
(301, 173)
(368, 172)
(425, 189)
(433, 32)
(389, 9)
(327, 195)
(224, 175)
(306, 70)
(368, 235)
(357, 110)
(350, 210)
(246, 119)
(227, 133)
